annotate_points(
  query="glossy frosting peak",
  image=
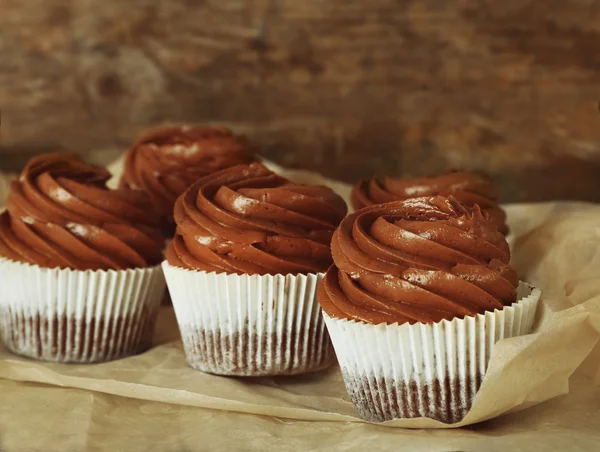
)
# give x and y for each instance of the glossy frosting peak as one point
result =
(468, 187)
(419, 260)
(165, 162)
(247, 219)
(61, 214)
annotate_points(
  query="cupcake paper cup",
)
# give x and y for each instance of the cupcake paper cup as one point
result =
(250, 325)
(424, 370)
(78, 316)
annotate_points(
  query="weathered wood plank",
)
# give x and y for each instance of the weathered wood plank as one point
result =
(348, 88)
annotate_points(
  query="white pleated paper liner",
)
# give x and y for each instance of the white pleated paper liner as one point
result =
(250, 325)
(424, 370)
(78, 316)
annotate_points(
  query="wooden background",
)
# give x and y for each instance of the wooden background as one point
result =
(350, 88)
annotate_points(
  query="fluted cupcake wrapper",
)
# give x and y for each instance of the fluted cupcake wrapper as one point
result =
(424, 370)
(78, 316)
(250, 325)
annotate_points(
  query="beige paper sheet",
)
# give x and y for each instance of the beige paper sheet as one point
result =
(35, 418)
(556, 246)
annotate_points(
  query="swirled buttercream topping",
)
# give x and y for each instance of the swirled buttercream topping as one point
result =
(419, 260)
(165, 162)
(247, 219)
(469, 188)
(61, 214)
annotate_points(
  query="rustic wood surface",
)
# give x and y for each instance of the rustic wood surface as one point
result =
(349, 88)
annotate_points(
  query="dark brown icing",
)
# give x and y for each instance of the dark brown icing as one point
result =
(165, 162)
(468, 187)
(419, 260)
(248, 220)
(61, 214)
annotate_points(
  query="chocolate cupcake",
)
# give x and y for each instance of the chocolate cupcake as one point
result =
(419, 293)
(243, 269)
(468, 187)
(165, 162)
(80, 279)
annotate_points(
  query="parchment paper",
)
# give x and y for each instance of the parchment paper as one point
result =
(36, 418)
(556, 246)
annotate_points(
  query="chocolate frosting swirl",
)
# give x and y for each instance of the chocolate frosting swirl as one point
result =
(248, 220)
(468, 187)
(165, 162)
(419, 260)
(61, 214)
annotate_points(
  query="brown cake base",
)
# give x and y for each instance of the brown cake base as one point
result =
(380, 399)
(70, 340)
(249, 354)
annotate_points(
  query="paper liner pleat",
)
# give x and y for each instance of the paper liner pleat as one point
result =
(78, 316)
(250, 325)
(424, 370)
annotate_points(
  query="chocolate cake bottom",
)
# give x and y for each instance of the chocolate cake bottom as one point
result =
(251, 354)
(380, 399)
(77, 340)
